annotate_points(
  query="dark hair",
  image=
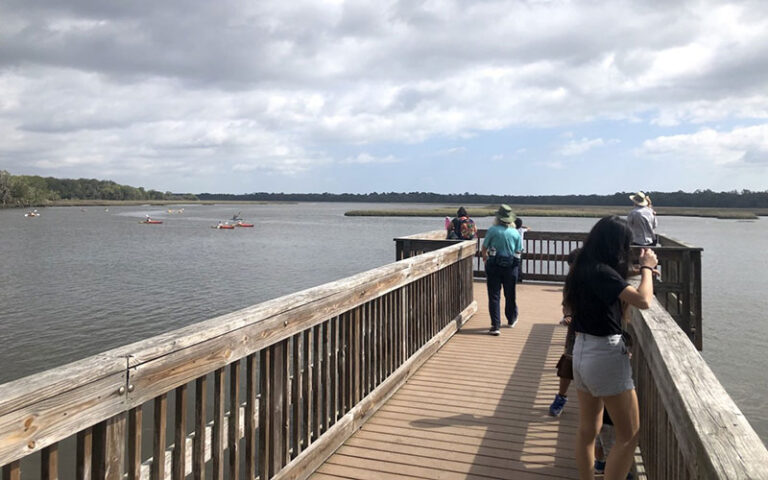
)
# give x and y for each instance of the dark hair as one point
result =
(518, 222)
(461, 212)
(572, 256)
(608, 243)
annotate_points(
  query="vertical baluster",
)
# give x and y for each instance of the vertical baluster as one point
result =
(356, 356)
(317, 406)
(335, 369)
(157, 472)
(84, 455)
(307, 387)
(217, 442)
(179, 434)
(250, 420)
(327, 375)
(234, 421)
(12, 471)
(109, 448)
(285, 424)
(266, 411)
(49, 462)
(296, 394)
(134, 443)
(198, 453)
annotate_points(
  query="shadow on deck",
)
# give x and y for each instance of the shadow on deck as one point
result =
(477, 409)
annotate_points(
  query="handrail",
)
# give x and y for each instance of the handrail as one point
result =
(544, 259)
(318, 355)
(689, 425)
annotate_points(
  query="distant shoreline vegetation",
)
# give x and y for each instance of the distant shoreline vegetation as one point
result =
(564, 211)
(36, 191)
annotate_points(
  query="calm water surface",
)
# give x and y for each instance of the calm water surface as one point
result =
(75, 283)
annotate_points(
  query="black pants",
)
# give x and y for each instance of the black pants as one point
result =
(498, 277)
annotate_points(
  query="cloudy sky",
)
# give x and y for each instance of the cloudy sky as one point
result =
(504, 97)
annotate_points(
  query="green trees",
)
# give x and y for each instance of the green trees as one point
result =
(32, 190)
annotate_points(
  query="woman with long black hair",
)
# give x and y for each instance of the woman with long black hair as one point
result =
(596, 294)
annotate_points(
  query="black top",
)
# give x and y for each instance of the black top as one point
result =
(601, 314)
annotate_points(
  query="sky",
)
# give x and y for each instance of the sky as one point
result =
(532, 97)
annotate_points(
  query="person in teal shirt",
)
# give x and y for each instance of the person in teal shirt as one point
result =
(502, 267)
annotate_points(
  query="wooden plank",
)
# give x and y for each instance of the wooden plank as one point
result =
(250, 417)
(159, 426)
(307, 392)
(134, 443)
(217, 445)
(312, 457)
(296, 393)
(266, 411)
(115, 447)
(334, 371)
(49, 462)
(12, 471)
(691, 394)
(84, 454)
(199, 444)
(178, 470)
(38, 425)
(233, 426)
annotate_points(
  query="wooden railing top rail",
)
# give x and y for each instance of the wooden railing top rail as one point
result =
(714, 436)
(44, 408)
(431, 235)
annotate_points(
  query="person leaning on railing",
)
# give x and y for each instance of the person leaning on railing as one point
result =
(595, 289)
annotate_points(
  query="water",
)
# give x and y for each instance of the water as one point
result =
(76, 283)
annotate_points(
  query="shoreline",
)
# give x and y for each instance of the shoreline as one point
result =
(567, 211)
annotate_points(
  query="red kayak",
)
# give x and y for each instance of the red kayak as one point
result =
(223, 227)
(243, 224)
(152, 222)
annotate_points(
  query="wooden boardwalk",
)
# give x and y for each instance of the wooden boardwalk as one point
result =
(478, 409)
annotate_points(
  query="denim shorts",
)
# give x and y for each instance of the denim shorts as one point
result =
(601, 365)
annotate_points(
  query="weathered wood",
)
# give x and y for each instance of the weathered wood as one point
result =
(84, 454)
(708, 427)
(134, 443)
(12, 471)
(115, 447)
(199, 445)
(159, 437)
(178, 470)
(233, 426)
(302, 466)
(250, 417)
(306, 388)
(50, 463)
(217, 445)
(296, 396)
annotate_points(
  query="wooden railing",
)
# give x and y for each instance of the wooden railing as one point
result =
(277, 386)
(544, 259)
(689, 426)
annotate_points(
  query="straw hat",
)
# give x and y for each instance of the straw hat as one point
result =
(640, 199)
(504, 214)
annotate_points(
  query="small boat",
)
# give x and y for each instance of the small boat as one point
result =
(31, 214)
(241, 223)
(149, 221)
(223, 226)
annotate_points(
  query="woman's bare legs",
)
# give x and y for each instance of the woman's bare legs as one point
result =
(625, 414)
(590, 421)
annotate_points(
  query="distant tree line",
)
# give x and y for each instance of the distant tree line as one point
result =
(32, 190)
(698, 198)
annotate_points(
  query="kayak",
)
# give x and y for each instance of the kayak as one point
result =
(243, 224)
(31, 214)
(223, 227)
(152, 222)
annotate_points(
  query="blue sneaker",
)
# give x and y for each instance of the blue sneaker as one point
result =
(557, 405)
(599, 466)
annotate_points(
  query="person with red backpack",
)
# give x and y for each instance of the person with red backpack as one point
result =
(462, 227)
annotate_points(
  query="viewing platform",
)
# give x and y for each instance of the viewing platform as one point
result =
(389, 373)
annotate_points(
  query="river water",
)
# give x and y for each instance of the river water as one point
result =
(75, 282)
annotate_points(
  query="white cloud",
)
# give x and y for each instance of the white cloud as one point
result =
(578, 147)
(282, 87)
(365, 158)
(739, 146)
